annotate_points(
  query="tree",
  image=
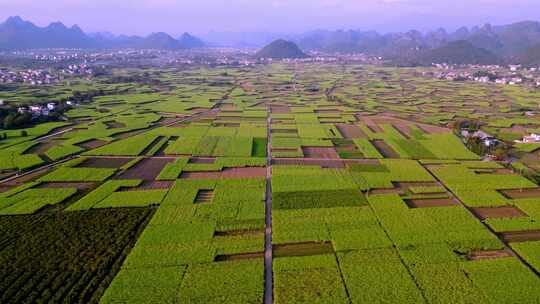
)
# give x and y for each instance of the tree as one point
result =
(8, 121)
(24, 133)
(501, 153)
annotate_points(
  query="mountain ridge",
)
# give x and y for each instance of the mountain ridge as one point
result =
(19, 34)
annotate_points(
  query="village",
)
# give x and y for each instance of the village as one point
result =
(43, 76)
(504, 75)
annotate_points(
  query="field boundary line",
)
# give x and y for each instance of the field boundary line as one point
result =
(268, 255)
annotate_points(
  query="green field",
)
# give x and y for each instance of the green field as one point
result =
(159, 193)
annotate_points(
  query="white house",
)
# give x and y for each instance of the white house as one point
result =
(35, 109)
(530, 139)
(51, 106)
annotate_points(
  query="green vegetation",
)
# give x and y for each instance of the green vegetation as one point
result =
(161, 186)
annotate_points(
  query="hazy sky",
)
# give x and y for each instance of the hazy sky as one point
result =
(285, 16)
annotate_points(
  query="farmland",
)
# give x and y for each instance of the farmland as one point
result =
(278, 183)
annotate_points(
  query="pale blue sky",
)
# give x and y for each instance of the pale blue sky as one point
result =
(285, 16)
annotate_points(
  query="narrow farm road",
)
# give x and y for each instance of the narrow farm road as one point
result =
(268, 271)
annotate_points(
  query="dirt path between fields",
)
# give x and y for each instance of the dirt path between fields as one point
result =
(268, 270)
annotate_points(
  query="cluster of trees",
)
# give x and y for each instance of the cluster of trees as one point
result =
(14, 120)
(487, 74)
(10, 118)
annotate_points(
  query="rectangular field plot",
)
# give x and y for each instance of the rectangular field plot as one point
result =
(206, 237)
(36, 266)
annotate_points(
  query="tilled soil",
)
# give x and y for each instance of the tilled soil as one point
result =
(92, 144)
(350, 131)
(384, 149)
(521, 193)
(146, 169)
(104, 162)
(77, 185)
(431, 202)
(320, 152)
(497, 212)
(520, 236)
(488, 254)
(149, 185)
(231, 173)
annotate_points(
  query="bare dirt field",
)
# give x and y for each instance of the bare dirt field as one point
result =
(350, 131)
(246, 172)
(104, 162)
(43, 147)
(430, 202)
(78, 186)
(320, 152)
(238, 256)
(497, 212)
(114, 125)
(149, 185)
(231, 173)
(146, 169)
(201, 175)
(521, 236)
(384, 149)
(202, 160)
(5, 188)
(521, 193)
(488, 254)
(92, 144)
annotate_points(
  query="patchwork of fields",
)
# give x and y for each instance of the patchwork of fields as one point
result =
(173, 193)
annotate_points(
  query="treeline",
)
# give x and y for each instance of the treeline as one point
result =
(11, 118)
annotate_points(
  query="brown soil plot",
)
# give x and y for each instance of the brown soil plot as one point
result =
(104, 162)
(430, 202)
(204, 196)
(154, 143)
(497, 212)
(201, 175)
(384, 149)
(238, 256)
(149, 185)
(350, 131)
(520, 236)
(92, 144)
(309, 162)
(488, 254)
(42, 147)
(114, 124)
(146, 169)
(320, 152)
(521, 193)
(78, 186)
(246, 172)
(238, 233)
(202, 160)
